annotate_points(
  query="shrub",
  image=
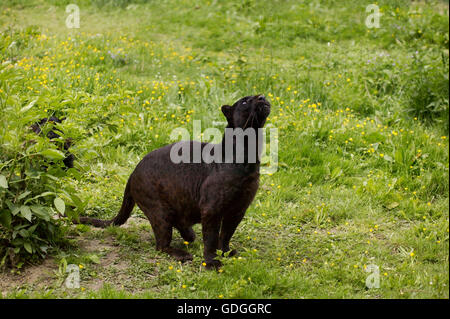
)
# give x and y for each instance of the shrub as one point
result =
(428, 90)
(29, 203)
(34, 197)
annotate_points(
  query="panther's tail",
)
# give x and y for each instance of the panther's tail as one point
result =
(122, 216)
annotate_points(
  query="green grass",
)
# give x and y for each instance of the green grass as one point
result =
(363, 137)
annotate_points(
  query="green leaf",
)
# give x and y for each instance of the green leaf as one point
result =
(90, 154)
(28, 247)
(40, 212)
(3, 181)
(46, 194)
(388, 158)
(32, 229)
(53, 154)
(95, 259)
(59, 204)
(5, 218)
(24, 233)
(23, 195)
(14, 209)
(29, 106)
(398, 156)
(41, 195)
(25, 212)
(392, 205)
(74, 173)
(337, 171)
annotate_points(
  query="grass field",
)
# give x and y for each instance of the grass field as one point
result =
(362, 116)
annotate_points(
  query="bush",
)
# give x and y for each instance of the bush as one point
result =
(428, 90)
(29, 203)
(34, 197)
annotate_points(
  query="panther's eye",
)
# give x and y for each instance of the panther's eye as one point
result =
(244, 102)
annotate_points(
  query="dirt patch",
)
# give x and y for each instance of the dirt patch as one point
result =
(109, 261)
(114, 264)
(109, 265)
(38, 276)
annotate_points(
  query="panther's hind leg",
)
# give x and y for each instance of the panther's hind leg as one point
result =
(163, 233)
(187, 233)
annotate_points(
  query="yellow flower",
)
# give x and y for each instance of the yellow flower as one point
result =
(183, 286)
(412, 254)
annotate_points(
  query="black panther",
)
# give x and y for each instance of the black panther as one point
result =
(179, 195)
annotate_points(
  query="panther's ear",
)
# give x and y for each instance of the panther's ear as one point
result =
(227, 110)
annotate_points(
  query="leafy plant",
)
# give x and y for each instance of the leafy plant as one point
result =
(428, 89)
(33, 198)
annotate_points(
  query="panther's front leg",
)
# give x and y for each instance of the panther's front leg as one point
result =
(210, 229)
